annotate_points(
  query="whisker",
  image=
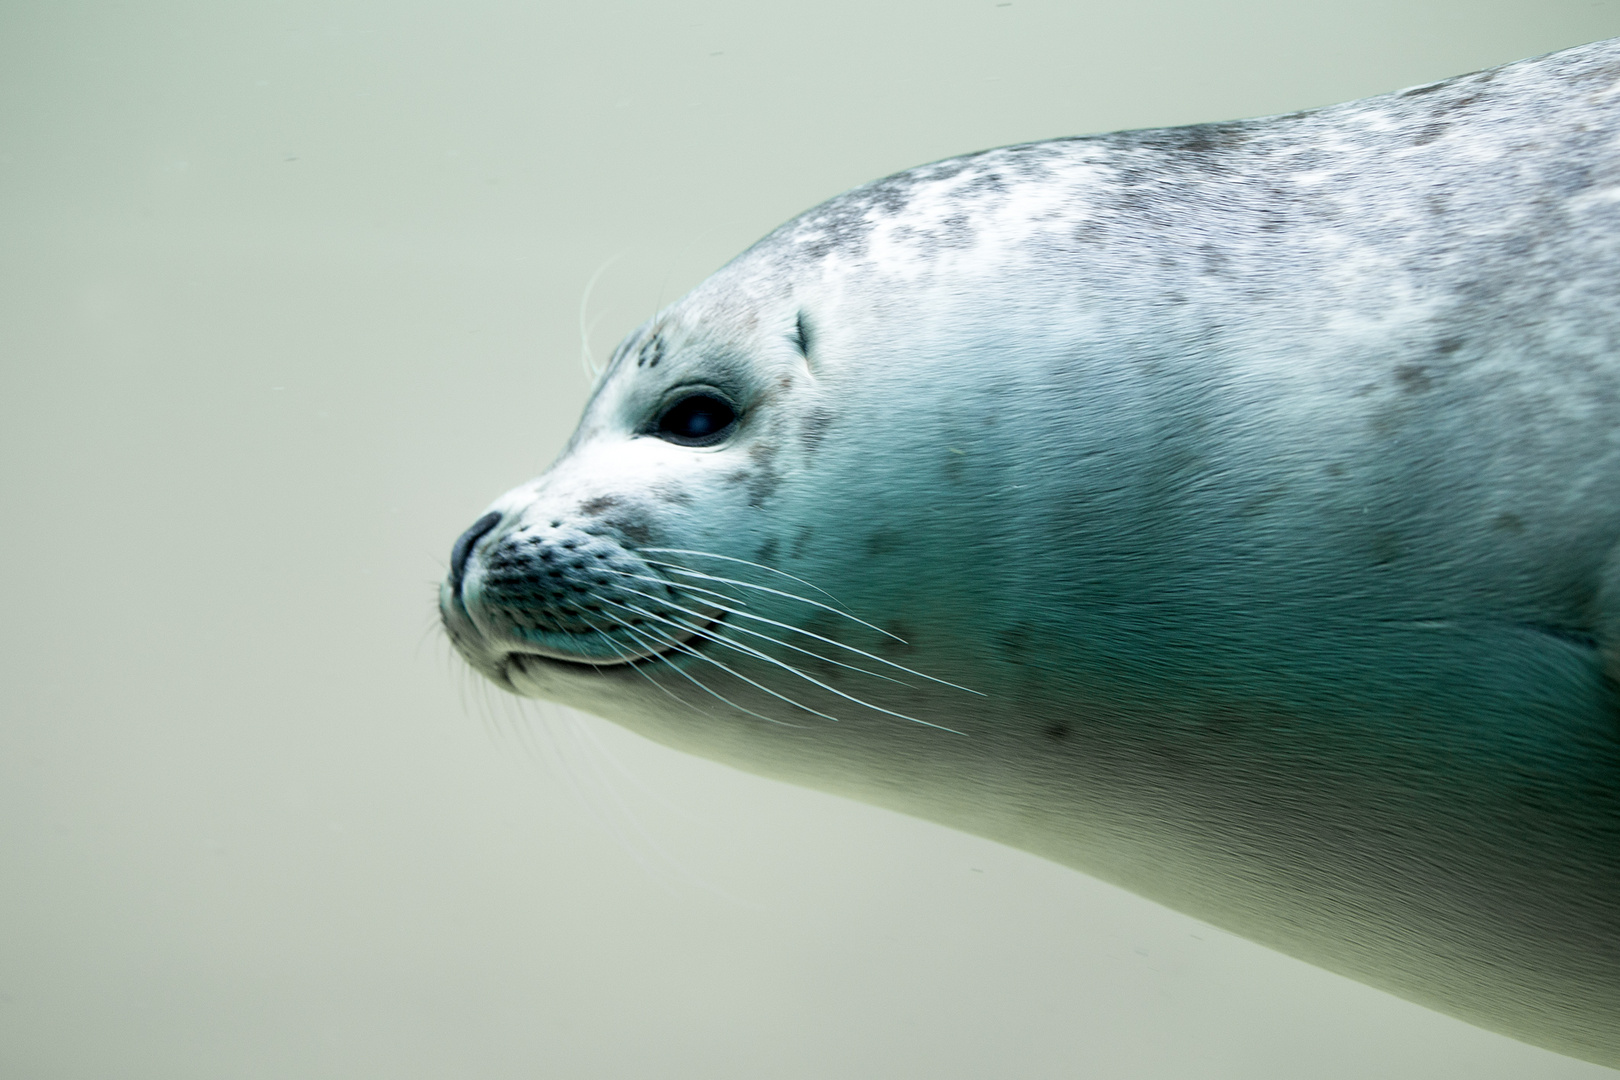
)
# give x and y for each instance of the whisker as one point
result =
(779, 641)
(799, 630)
(672, 584)
(589, 362)
(789, 668)
(688, 572)
(608, 640)
(684, 647)
(744, 562)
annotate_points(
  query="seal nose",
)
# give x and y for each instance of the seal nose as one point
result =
(464, 546)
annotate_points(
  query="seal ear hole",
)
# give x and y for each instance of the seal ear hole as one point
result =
(698, 419)
(801, 335)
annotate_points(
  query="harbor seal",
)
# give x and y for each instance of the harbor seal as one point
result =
(1231, 512)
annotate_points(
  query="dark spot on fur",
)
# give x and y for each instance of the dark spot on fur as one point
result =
(1014, 643)
(1334, 469)
(1447, 346)
(764, 486)
(634, 529)
(1057, 731)
(1258, 504)
(1386, 547)
(1429, 134)
(813, 428)
(764, 480)
(597, 505)
(1215, 259)
(765, 555)
(652, 352)
(1572, 634)
(1511, 523)
(900, 643)
(801, 542)
(1413, 379)
(672, 493)
(884, 541)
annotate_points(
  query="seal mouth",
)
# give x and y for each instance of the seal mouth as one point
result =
(682, 641)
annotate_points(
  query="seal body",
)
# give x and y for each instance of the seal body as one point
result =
(1230, 512)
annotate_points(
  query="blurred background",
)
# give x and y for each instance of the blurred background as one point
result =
(288, 292)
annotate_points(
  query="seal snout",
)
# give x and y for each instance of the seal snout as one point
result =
(464, 546)
(563, 592)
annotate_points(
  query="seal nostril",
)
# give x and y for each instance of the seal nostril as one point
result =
(464, 546)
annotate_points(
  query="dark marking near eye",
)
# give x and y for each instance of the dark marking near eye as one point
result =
(763, 487)
(766, 553)
(598, 504)
(672, 493)
(813, 428)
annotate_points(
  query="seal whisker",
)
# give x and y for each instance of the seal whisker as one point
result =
(673, 585)
(789, 668)
(744, 562)
(699, 631)
(592, 369)
(607, 639)
(683, 674)
(688, 572)
(774, 640)
(677, 644)
(811, 634)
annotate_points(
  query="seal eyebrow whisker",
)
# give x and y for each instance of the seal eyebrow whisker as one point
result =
(778, 641)
(592, 369)
(650, 641)
(789, 668)
(744, 562)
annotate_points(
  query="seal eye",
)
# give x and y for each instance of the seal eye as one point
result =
(697, 420)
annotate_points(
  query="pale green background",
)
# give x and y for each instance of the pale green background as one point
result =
(288, 292)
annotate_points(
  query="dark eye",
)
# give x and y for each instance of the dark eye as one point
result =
(696, 420)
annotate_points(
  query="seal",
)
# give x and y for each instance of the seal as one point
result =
(1230, 512)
